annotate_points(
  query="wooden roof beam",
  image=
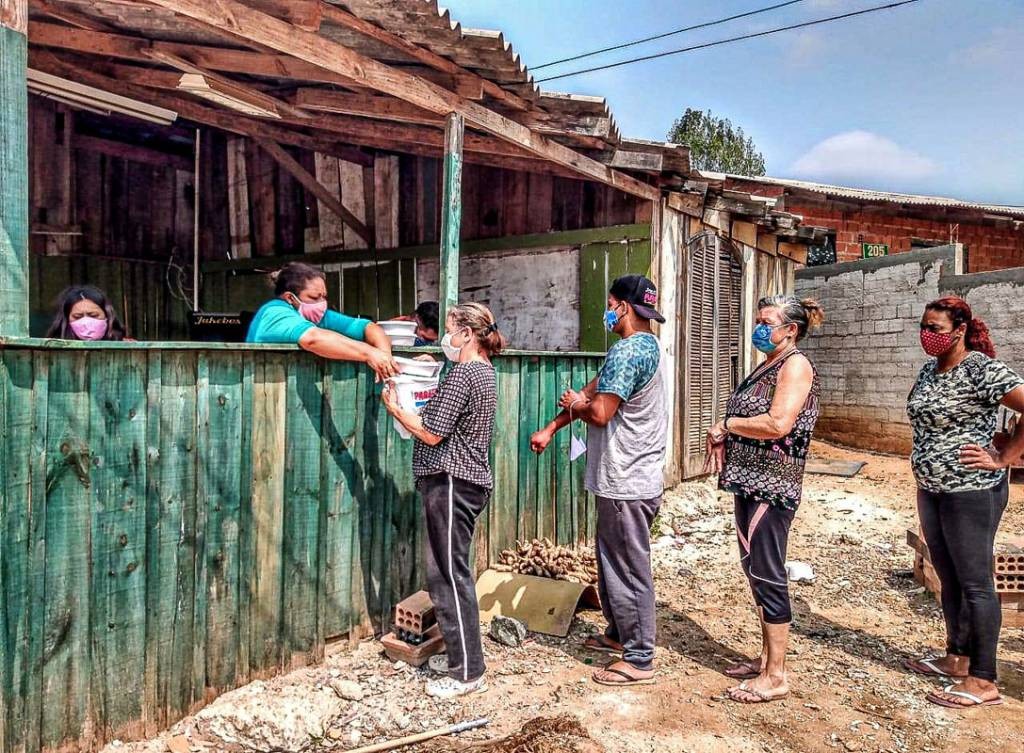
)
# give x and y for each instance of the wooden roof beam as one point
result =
(69, 16)
(232, 122)
(239, 19)
(341, 17)
(311, 184)
(364, 105)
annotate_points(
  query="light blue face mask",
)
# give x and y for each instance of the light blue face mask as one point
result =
(611, 318)
(762, 337)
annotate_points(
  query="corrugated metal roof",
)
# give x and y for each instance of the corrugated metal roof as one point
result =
(864, 194)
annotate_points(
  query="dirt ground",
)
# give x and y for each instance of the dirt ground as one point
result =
(854, 625)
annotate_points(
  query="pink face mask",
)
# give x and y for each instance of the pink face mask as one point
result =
(314, 312)
(89, 328)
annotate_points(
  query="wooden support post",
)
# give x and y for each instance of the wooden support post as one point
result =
(13, 168)
(451, 214)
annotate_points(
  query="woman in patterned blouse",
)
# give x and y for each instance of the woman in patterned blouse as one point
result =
(759, 450)
(450, 461)
(962, 490)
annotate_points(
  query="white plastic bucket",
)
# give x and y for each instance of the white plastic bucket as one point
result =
(413, 394)
(420, 368)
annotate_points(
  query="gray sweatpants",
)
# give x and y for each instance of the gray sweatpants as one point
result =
(624, 578)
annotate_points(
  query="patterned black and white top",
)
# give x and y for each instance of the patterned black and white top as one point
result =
(462, 411)
(950, 410)
(769, 470)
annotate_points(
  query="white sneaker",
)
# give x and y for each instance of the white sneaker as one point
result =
(448, 687)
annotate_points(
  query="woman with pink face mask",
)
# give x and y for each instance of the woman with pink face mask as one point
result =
(299, 315)
(962, 491)
(85, 313)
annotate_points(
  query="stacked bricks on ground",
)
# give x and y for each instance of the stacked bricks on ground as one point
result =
(868, 351)
(416, 636)
(1008, 575)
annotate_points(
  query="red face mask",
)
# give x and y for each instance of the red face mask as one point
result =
(936, 343)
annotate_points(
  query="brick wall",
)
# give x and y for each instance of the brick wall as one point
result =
(868, 352)
(988, 247)
(989, 244)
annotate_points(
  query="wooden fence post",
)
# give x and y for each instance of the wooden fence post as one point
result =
(13, 168)
(451, 215)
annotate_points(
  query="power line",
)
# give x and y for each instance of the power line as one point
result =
(666, 34)
(727, 41)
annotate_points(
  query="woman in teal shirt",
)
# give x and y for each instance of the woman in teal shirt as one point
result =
(299, 315)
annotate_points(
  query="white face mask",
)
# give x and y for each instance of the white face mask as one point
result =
(451, 352)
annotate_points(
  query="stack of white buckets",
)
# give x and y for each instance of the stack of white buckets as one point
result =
(417, 382)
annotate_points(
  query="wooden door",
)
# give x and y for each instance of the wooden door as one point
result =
(712, 289)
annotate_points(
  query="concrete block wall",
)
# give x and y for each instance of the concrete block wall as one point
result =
(868, 352)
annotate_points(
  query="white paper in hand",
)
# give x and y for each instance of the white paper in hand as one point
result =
(576, 447)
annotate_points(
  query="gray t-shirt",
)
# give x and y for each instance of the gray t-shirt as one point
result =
(950, 410)
(626, 458)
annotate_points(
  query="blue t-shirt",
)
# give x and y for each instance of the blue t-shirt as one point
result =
(629, 365)
(279, 322)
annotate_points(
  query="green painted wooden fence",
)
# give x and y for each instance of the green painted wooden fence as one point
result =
(178, 520)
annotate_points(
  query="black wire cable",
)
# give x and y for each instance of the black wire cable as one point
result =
(727, 41)
(666, 34)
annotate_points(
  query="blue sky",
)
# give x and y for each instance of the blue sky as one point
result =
(926, 98)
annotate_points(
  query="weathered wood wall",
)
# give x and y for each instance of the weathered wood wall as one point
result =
(178, 521)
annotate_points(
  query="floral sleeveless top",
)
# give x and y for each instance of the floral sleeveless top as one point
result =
(768, 470)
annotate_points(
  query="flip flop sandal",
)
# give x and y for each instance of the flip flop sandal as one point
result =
(975, 701)
(761, 697)
(914, 665)
(627, 681)
(601, 643)
(742, 671)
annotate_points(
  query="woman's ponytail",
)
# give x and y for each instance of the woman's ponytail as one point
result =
(979, 338)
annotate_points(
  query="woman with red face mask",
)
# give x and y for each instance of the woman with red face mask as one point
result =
(962, 490)
(299, 315)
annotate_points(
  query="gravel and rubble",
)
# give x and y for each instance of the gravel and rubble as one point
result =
(854, 625)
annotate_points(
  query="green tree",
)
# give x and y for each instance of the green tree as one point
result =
(716, 144)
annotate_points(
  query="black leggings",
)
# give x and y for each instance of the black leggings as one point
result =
(763, 533)
(960, 529)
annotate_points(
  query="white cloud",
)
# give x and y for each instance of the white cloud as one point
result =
(1002, 48)
(863, 158)
(805, 49)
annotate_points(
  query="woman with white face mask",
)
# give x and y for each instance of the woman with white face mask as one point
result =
(452, 439)
(759, 451)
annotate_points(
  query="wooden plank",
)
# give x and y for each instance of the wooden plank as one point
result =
(259, 171)
(332, 229)
(290, 164)
(335, 57)
(581, 375)
(385, 201)
(14, 175)
(238, 200)
(364, 105)
(268, 447)
(539, 200)
(66, 619)
(529, 421)
(794, 251)
(118, 537)
(744, 232)
(451, 215)
(505, 498)
(24, 461)
(562, 500)
(246, 529)
(200, 552)
(221, 481)
(363, 448)
(301, 514)
(768, 243)
(547, 493)
(353, 196)
(141, 154)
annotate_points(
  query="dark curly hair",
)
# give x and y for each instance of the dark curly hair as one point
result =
(959, 311)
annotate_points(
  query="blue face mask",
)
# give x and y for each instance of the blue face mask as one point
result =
(762, 337)
(611, 318)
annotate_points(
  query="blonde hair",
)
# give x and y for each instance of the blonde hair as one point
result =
(806, 314)
(480, 321)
